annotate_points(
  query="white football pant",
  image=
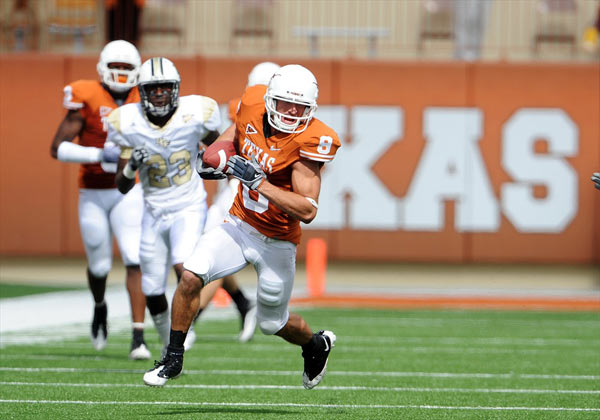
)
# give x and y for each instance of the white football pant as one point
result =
(104, 212)
(168, 238)
(233, 245)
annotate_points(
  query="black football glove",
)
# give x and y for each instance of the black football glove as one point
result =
(247, 171)
(206, 172)
(596, 179)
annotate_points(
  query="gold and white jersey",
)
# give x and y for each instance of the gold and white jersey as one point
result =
(169, 179)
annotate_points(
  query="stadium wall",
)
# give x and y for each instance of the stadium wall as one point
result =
(448, 162)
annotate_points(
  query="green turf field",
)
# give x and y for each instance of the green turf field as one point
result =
(8, 290)
(386, 364)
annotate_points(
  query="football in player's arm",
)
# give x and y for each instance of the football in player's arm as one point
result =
(259, 75)
(281, 151)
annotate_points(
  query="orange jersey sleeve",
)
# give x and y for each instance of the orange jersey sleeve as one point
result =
(233, 107)
(276, 155)
(95, 103)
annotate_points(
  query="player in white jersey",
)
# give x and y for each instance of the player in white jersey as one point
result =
(160, 138)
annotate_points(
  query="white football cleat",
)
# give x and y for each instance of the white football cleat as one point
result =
(315, 364)
(170, 367)
(248, 325)
(141, 352)
(99, 341)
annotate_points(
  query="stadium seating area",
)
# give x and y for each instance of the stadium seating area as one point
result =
(381, 29)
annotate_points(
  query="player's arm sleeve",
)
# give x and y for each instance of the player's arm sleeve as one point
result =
(115, 134)
(72, 97)
(211, 116)
(320, 147)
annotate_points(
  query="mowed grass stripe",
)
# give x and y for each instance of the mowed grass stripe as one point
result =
(443, 321)
(298, 405)
(339, 353)
(320, 388)
(330, 372)
(261, 344)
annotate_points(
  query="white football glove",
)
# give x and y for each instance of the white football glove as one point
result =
(247, 171)
(139, 156)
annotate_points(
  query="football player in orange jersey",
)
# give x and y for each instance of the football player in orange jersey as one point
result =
(103, 210)
(217, 212)
(281, 151)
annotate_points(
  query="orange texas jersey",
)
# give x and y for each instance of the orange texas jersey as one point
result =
(232, 108)
(95, 103)
(276, 155)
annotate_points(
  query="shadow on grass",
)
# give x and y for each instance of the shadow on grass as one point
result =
(226, 410)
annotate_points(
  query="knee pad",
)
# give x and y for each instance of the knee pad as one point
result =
(93, 236)
(100, 267)
(269, 327)
(270, 293)
(270, 298)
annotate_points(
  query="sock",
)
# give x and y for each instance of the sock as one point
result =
(138, 336)
(97, 286)
(313, 345)
(176, 341)
(240, 301)
(162, 322)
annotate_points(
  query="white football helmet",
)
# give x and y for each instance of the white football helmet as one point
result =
(296, 84)
(261, 73)
(158, 70)
(119, 52)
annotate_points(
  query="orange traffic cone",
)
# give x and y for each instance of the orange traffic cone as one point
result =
(221, 299)
(316, 266)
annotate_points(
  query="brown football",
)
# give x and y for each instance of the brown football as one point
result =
(217, 154)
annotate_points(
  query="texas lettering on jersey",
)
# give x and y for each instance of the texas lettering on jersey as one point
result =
(95, 103)
(276, 154)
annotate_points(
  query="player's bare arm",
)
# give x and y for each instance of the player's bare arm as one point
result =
(301, 202)
(228, 135)
(124, 184)
(69, 128)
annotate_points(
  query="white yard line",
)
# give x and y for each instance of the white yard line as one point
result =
(59, 316)
(329, 373)
(296, 405)
(320, 388)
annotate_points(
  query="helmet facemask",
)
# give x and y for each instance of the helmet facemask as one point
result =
(294, 84)
(275, 117)
(114, 53)
(158, 71)
(146, 98)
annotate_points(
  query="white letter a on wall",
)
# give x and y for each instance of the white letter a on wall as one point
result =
(451, 168)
